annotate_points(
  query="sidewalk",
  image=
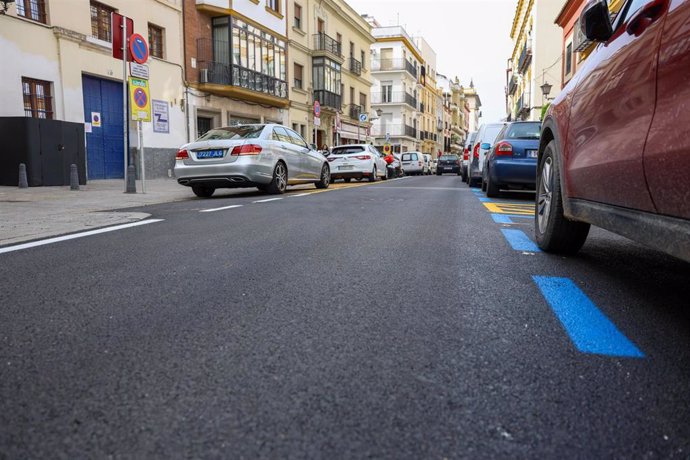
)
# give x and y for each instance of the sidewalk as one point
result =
(41, 212)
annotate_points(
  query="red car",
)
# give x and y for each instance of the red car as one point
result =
(615, 144)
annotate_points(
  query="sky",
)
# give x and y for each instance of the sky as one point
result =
(471, 39)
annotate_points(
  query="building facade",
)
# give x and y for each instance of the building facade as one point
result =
(535, 58)
(329, 62)
(454, 118)
(473, 106)
(396, 69)
(431, 102)
(575, 47)
(235, 62)
(66, 72)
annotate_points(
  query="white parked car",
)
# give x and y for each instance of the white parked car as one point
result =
(434, 166)
(482, 145)
(413, 163)
(357, 161)
(269, 157)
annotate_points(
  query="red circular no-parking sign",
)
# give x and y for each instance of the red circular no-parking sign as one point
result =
(140, 98)
(139, 49)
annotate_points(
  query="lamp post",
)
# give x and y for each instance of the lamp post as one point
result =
(545, 90)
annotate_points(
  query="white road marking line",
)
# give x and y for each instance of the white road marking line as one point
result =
(222, 209)
(58, 239)
(301, 194)
(267, 201)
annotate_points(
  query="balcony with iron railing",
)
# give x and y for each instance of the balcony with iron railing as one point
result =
(386, 65)
(394, 130)
(525, 57)
(522, 107)
(230, 80)
(328, 99)
(354, 111)
(215, 73)
(328, 44)
(397, 97)
(512, 85)
(355, 66)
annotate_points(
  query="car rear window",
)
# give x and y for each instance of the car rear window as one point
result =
(233, 133)
(490, 133)
(448, 157)
(347, 150)
(523, 131)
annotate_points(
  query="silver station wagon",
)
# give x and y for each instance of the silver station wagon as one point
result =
(269, 157)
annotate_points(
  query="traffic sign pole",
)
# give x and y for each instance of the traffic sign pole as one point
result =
(142, 162)
(125, 129)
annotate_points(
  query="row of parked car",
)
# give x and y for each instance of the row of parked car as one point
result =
(502, 156)
(270, 157)
(614, 148)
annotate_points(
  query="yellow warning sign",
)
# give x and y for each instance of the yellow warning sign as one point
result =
(386, 148)
(518, 209)
(139, 99)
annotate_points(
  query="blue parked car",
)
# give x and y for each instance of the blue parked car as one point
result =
(512, 161)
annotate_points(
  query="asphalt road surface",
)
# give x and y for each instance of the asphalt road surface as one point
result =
(401, 319)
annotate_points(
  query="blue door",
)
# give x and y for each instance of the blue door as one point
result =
(104, 144)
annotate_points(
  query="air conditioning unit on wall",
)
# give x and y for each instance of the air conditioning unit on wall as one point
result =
(203, 75)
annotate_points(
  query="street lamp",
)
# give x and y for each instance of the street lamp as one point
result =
(545, 90)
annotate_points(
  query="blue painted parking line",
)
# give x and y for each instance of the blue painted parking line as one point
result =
(483, 199)
(589, 329)
(502, 219)
(508, 219)
(519, 240)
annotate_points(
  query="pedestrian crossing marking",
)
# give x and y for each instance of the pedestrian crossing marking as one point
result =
(518, 209)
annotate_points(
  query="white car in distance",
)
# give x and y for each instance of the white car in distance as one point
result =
(357, 161)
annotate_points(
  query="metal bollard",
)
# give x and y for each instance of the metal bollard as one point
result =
(131, 179)
(73, 177)
(23, 182)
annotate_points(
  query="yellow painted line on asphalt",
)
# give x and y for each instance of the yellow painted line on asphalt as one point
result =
(342, 186)
(510, 208)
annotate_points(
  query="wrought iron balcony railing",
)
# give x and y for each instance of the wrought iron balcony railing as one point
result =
(328, 99)
(355, 66)
(323, 42)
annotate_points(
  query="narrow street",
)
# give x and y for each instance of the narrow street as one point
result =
(410, 318)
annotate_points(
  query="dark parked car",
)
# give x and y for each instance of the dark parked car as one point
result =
(512, 161)
(615, 144)
(448, 164)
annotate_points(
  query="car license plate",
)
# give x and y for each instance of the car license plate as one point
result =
(204, 154)
(446, 168)
(531, 154)
(345, 167)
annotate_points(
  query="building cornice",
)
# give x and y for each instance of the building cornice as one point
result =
(359, 23)
(406, 42)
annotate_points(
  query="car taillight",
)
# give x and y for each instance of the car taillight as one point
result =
(457, 162)
(330, 159)
(504, 148)
(363, 157)
(466, 154)
(182, 155)
(246, 149)
(420, 163)
(476, 151)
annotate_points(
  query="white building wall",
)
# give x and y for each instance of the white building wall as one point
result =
(62, 51)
